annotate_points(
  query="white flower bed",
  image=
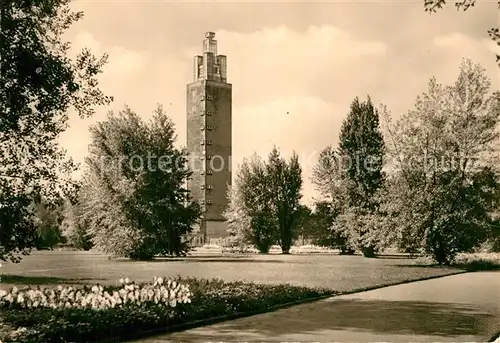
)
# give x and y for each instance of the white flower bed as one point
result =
(212, 247)
(161, 291)
(309, 249)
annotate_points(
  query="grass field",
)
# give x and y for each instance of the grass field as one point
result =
(341, 273)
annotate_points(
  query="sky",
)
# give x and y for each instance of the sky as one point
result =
(295, 67)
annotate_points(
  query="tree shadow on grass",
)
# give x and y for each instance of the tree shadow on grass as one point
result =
(40, 280)
(394, 257)
(425, 266)
(471, 267)
(210, 260)
(372, 316)
(478, 266)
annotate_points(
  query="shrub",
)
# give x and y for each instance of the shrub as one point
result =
(240, 250)
(312, 249)
(478, 261)
(212, 247)
(468, 261)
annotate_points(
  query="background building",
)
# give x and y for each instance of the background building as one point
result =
(209, 100)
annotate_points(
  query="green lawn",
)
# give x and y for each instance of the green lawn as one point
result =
(340, 273)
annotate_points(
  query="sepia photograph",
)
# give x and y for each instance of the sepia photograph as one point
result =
(177, 171)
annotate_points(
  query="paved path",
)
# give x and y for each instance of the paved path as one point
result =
(459, 308)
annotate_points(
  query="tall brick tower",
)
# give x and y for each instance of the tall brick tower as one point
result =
(209, 100)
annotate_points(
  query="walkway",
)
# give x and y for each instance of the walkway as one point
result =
(458, 308)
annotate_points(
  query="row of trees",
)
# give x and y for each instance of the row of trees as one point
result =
(429, 184)
(424, 206)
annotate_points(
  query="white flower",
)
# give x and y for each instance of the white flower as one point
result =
(161, 291)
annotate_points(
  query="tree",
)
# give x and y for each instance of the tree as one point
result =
(48, 225)
(250, 215)
(304, 225)
(361, 149)
(134, 196)
(494, 236)
(433, 6)
(75, 228)
(285, 183)
(326, 175)
(18, 230)
(264, 203)
(329, 182)
(325, 232)
(239, 221)
(39, 84)
(442, 191)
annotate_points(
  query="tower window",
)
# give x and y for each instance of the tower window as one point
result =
(209, 157)
(202, 187)
(209, 97)
(209, 127)
(209, 113)
(202, 97)
(209, 172)
(209, 187)
(209, 202)
(202, 112)
(209, 142)
(202, 143)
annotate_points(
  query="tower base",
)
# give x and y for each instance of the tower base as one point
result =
(212, 232)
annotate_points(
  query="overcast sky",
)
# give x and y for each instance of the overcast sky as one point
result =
(295, 67)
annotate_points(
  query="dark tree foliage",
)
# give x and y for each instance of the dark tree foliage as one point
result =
(461, 219)
(48, 220)
(18, 230)
(361, 150)
(325, 232)
(305, 226)
(494, 232)
(75, 228)
(39, 84)
(285, 185)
